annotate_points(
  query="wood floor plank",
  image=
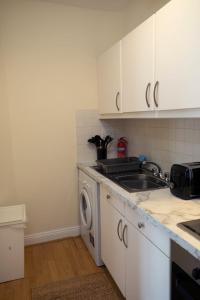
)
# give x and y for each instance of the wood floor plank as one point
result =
(79, 242)
(50, 262)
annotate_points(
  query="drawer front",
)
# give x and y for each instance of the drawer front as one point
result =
(113, 198)
(155, 234)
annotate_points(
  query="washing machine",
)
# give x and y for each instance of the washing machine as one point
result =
(90, 215)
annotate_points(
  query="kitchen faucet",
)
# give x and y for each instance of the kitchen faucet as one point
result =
(157, 170)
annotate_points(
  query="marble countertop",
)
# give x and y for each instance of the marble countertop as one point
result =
(160, 207)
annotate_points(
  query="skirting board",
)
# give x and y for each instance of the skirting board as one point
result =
(47, 236)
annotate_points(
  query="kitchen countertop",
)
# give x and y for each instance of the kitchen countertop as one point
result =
(160, 207)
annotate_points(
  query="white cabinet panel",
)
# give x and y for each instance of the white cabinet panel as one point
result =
(147, 269)
(138, 68)
(140, 269)
(109, 80)
(112, 248)
(11, 252)
(154, 233)
(177, 55)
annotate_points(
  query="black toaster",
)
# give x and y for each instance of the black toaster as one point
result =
(185, 180)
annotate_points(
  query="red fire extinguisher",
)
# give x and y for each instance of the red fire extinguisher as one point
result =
(122, 147)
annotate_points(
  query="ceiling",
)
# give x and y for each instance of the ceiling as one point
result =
(111, 5)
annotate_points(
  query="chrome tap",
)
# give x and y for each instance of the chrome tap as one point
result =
(167, 177)
(156, 169)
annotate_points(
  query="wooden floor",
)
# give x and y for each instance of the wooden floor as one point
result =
(49, 262)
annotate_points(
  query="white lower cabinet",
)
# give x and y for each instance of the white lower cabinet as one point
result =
(138, 266)
(112, 249)
(147, 268)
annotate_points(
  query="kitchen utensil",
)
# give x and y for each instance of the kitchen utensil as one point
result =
(101, 145)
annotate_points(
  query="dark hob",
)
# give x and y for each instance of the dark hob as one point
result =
(192, 227)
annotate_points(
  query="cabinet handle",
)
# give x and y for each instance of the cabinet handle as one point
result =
(147, 94)
(123, 236)
(155, 92)
(116, 101)
(140, 225)
(118, 226)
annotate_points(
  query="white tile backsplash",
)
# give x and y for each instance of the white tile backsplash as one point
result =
(88, 125)
(164, 141)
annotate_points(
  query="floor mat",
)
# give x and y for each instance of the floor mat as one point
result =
(90, 287)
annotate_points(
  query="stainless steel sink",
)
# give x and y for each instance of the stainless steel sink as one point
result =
(138, 181)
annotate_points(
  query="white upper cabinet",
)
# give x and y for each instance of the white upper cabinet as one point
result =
(178, 55)
(138, 68)
(160, 65)
(109, 80)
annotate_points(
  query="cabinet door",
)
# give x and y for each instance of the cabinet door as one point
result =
(109, 80)
(177, 55)
(112, 248)
(138, 68)
(147, 269)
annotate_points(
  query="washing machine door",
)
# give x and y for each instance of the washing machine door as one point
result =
(85, 209)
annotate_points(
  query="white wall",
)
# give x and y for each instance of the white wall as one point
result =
(49, 57)
(50, 64)
(6, 173)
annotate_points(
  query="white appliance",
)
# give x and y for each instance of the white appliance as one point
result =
(89, 214)
(12, 224)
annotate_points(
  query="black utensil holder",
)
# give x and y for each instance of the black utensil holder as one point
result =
(101, 153)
